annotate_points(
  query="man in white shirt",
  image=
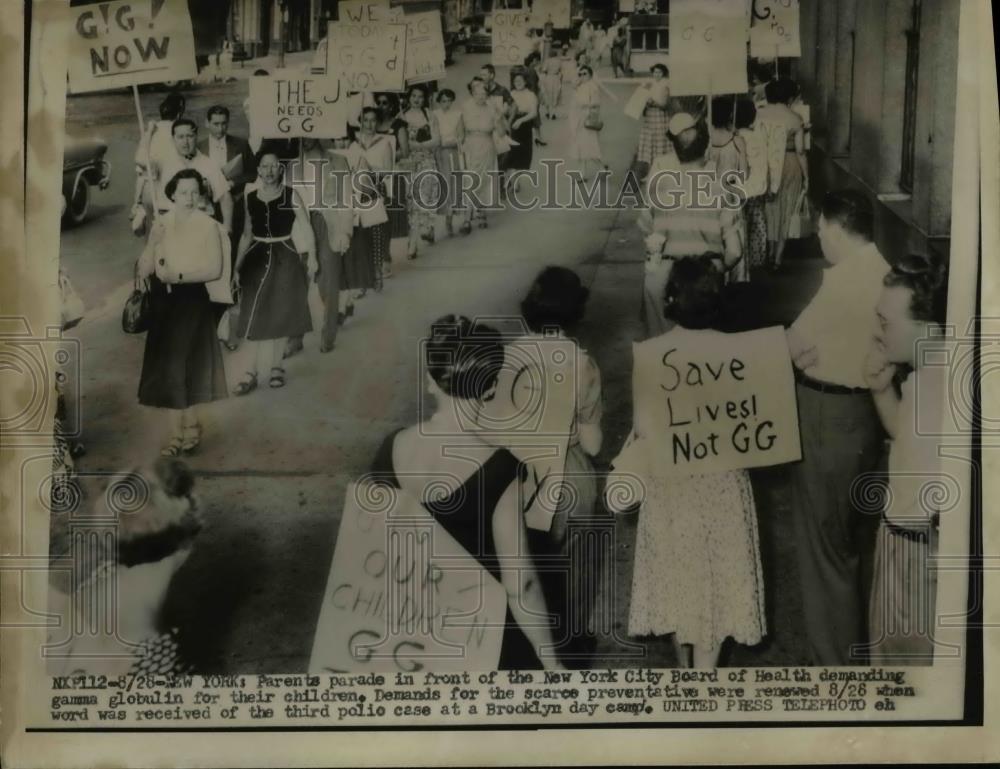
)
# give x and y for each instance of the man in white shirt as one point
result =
(840, 430)
(185, 136)
(911, 312)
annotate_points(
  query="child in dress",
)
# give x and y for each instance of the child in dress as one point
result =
(697, 556)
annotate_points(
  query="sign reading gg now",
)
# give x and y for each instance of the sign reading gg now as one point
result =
(130, 42)
(367, 56)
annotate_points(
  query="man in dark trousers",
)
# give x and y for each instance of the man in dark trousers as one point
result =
(234, 156)
(840, 429)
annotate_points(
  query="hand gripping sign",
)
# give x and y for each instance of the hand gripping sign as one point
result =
(130, 42)
(403, 594)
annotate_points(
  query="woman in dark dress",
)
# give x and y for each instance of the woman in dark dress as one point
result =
(272, 276)
(525, 111)
(463, 360)
(390, 123)
(182, 364)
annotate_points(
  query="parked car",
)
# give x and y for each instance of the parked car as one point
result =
(84, 167)
(478, 33)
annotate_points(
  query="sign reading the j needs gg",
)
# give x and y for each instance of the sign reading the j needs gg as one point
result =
(292, 105)
(130, 42)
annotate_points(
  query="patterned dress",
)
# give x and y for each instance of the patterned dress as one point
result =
(653, 140)
(424, 189)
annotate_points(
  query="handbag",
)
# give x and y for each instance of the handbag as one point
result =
(374, 214)
(137, 313)
(801, 224)
(72, 304)
(593, 120)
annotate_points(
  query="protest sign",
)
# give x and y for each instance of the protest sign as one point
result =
(368, 12)
(512, 40)
(366, 56)
(709, 402)
(424, 47)
(554, 12)
(532, 415)
(130, 42)
(292, 104)
(708, 47)
(774, 29)
(403, 594)
(636, 105)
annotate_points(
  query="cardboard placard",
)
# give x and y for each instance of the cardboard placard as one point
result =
(292, 104)
(368, 12)
(710, 402)
(708, 47)
(367, 56)
(554, 12)
(130, 42)
(512, 39)
(402, 594)
(424, 47)
(774, 29)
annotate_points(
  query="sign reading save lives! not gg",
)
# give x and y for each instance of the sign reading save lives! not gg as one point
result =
(709, 402)
(403, 594)
(290, 104)
(130, 42)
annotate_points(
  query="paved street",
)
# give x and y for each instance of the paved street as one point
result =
(273, 466)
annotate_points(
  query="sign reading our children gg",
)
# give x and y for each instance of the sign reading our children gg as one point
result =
(709, 402)
(403, 594)
(130, 42)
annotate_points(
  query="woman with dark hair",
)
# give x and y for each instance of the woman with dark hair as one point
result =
(550, 82)
(697, 573)
(389, 123)
(585, 121)
(653, 140)
(424, 188)
(554, 305)
(755, 183)
(185, 265)
(727, 156)
(272, 276)
(482, 512)
(451, 133)
(372, 160)
(525, 111)
(789, 175)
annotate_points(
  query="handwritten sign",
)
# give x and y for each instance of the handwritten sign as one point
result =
(708, 47)
(451, 18)
(554, 12)
(368, 11)
(367, 56)
(774, 29)
(424, 47)
(512, 40)
(711, 402)
(125, 43)
(403, 594)
(293, 104)
(532, 414)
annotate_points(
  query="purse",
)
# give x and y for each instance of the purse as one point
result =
(137, 313)
(373, 215)
(593, 120)
(801, 224)
(72, 304)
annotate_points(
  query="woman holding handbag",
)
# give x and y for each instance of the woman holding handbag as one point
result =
(483, 124)
(272, 275)
(586, 122)
(424, 188)
(182, 265)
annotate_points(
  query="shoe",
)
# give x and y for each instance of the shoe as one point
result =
(293, 347)
(411, 255)
(540, 143)
(277, 378)
(341, 317)
(427, 236)
(192, 439)
(349, 313)
(174, 448)
(231, 346)
(247, 385)
(483, 224)
(466, 228)
(326, 344)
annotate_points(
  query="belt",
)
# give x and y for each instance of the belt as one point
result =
(828, 387)
(272, 240)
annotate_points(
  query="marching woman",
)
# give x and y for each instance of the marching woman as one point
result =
(389, 123)
(272, 276)
(451, 133)
(550, 81)
(521, 129)
(183, 263)
(653, 140)
(697, 573)
(424, 187)
(586, 122)
(482, 123)
(370, 157)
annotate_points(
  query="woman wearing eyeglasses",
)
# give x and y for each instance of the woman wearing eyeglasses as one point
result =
(482, 122)
(585, 123)
(424, 188)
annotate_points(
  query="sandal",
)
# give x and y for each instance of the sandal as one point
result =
(247, 385)
(192, 439)
(277, 378)
(174, 448)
